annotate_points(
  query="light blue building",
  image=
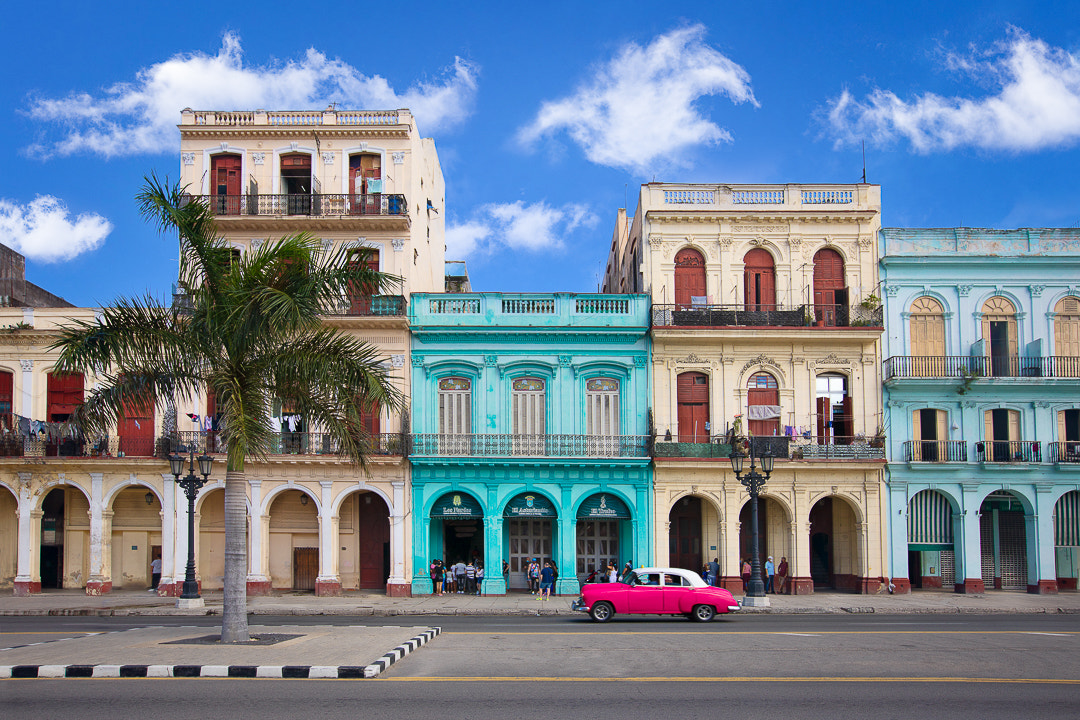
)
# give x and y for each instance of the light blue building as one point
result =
(530, 433)
(982, 402)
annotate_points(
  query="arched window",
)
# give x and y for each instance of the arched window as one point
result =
(455, 406)
(689, 278)
(1067, 337)
(830, 291)
(759, 280)
(999, 334)
(763, 404)
(528, 406)
(927, 326)
(602, 407)
(693, 399)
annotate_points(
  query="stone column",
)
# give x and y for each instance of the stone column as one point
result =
(166, 588)
(1042, 560)
(802, 582)
(27, 578)
(258, 580)
(99, 581)
(968, 550)
(398, 584)
(328, 582)
(897, 539)
(494, 584)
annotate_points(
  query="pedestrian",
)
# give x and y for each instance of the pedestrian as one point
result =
(547, 579)
(155, 572)
(555, 577)
(612, 573)
(627, 568)
(459, 576)
(506, 574)
(436, 577)
(479, 576)
(470, 578)
(781, 575)
(534, 576)
(770, 572)
(448, 577)
(746, 574)
(714, 572)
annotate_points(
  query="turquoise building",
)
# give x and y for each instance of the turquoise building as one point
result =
(982, 402)
(530, 434)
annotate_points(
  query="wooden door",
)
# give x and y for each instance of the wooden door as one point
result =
(828, 286)
(225, 173)
(689, 277)
(305, 568)
(1067, 338)
(763, 390)
(693, 403)
(927, 337)
(360, 294)
(65, 392)
(135, 427)
(374, 538)
(759, 280)
(684, 537)
(6, 395)
(365, 175)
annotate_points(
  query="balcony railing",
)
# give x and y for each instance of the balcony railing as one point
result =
(1065, 452)
(109, 447)
(761, 315)
(290, 443)
(372, 306)
(714, 447)
(840, 448)
(306, 204)
(1004, 451)
(994, 366)
(530, 445)
(935, 451)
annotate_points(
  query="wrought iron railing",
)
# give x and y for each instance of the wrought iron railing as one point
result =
(766, 315)
(712, 447)
(1001, 451)
(106, 447)
(321, 205)
(935, 451)
(840, 448)
(439, 444)
(290, 443)
(372, 306)
(993, 366)
(1065, 452)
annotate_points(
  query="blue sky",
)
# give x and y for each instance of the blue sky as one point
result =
(547, 118)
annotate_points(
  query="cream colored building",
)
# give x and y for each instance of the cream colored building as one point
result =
(354, 179)
(765, 310)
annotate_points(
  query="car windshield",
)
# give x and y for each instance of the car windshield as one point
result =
(627, 578)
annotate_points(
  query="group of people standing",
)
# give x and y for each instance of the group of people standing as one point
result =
(457, 578)
(542, 579)
(774, 576)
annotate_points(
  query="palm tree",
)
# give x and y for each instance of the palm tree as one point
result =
(249, 327)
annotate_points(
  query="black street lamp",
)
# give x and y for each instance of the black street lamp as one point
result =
(754, 482)
(191, 483)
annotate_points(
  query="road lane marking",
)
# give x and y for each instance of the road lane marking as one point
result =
(800, 634)
(1032, 632)
(540, 678)
(721, 631)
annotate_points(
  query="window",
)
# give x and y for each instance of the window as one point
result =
(763, 404)
(6, 393)
(365, 183)
(929, 432)
(999, 334)
(834, 416)
(1002, 435)
(65, 393)
(296, 183)
(225, 184)
(360, 294)
(602, 407)
(1067, 338)
(693, 400)
(528, 410)
(927, 326)
(455, 406)
(759, 280)
(830, 293)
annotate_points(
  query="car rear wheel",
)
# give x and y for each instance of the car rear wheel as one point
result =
(703, 613)
(602, 611)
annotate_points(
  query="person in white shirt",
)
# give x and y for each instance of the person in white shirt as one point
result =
(155, 573)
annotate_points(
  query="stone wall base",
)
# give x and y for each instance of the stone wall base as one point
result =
(930, 581)
(258, 587)
(871, 586)
(399, 590)
(1066, 583)
(98, 587)
(1044, 587)
(970, 586)
(901, 586)
(24, 588)
(327, 588)
(733, 584)
(802, 586)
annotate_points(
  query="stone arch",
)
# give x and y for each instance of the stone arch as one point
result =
(209, 488)
(268, 499)
(337, 500)
(835, 543)
(130, 482)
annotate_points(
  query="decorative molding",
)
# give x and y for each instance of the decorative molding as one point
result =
(1036, 290)
(1042, 404)
(258, 158)
(832, 359)
(398, 244)
(188, 158)
(692, 358)
(328, 158)
(897, 404)
(754, 228)
(417, 361)
(491, 360)
(892, 290)
(639, 361)
(566, 360)
(968, 404)
(656, 241)
(726, 241)
(327, 244)
(256, 243)
(26, 365)
(761, 359)
(964, 290)
(399, 158)
(864, 241)
(397, 361)
(757, 241)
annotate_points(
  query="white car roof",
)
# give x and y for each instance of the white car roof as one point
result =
(690, 575)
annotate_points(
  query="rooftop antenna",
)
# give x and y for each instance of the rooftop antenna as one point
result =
(864, 162)
(625, 195)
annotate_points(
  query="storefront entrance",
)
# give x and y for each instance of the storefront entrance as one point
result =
(600, 521)
(1003, 541)
(457, 528)
(529, 519)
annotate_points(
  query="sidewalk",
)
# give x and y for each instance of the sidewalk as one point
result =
(133, 603)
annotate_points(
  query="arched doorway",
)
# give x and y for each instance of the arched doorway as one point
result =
(211, 551)
(9, 537)
(1000, 336)
(65, 538)
(689, 279)
(457, 528)
(927, 332)
(364, 539)
(136, 537)
(693, 399)
(225, 173)
(931, 554)
(1003, 542)
(603, 533)
(763, 404)
(774, 534)
(830, 293)
(1067, 539)
(294, 541)
(834, 545)
(1067, 337)
(759, 280)
(529, 521)
(686, 536)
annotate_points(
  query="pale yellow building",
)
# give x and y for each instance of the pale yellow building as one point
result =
(766, 313)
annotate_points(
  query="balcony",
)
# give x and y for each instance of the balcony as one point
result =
(1009, 451)
(935, 451)
(372, 306)
(835, 448)
(289, 443)
(308, 205)
(557, 446)
(103, 448)
(713, 448)
(743, 315)
(1065, 452)
(997, 366)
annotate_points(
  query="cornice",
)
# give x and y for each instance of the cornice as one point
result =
(297, 223)
(715, 216)
(215, 132)
(530, 337)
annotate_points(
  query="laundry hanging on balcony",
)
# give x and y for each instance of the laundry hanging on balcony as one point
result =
(763, 412)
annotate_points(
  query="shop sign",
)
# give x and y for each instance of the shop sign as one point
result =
(604, 507)
(530, 505)
(456, 505)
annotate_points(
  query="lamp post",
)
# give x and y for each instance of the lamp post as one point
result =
(753, 481)
(192, 483)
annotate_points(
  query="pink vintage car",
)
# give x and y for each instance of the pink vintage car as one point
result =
(659, 591)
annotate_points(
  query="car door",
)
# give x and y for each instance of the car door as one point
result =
(645, 594)
(677, 592)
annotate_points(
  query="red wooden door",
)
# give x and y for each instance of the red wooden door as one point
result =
(684, 538)
(759, 280)
(360, 294)
(374, 541)
(65, 393)
(828, 285)
(689, 276)
(225, 171)
(6, 393)
(693, 399)
(136, 429)
(305, 567)
(363, 169)
(763, 390)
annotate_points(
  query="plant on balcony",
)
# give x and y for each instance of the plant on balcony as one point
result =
(870, 302)
(878, 440)
(967, 380)
(253, 331)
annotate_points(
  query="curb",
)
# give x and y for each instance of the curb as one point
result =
(298, 672)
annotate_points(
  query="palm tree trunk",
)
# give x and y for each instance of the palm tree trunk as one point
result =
(234, 621)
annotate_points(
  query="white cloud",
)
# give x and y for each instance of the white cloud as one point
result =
(1037, 105)
(141, 116)
(531, 228)
(44, 231)
(638, 110)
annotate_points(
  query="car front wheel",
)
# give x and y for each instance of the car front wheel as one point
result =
(602, 611)
(703, 613)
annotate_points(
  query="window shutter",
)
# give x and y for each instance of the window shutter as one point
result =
(988, 425)
(916, 425)
(942, 425)
(1014, 425)
(1062, 435)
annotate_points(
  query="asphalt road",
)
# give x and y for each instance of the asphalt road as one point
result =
(875, 666)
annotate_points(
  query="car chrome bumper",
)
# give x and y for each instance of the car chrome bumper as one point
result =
(579, 605)
(733, 608)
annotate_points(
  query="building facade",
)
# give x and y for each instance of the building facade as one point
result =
(764, 314)
(982, 394)
(529, 434)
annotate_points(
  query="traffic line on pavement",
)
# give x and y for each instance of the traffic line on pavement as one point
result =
(540, 678)
(1032, 632)
(721, 631)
